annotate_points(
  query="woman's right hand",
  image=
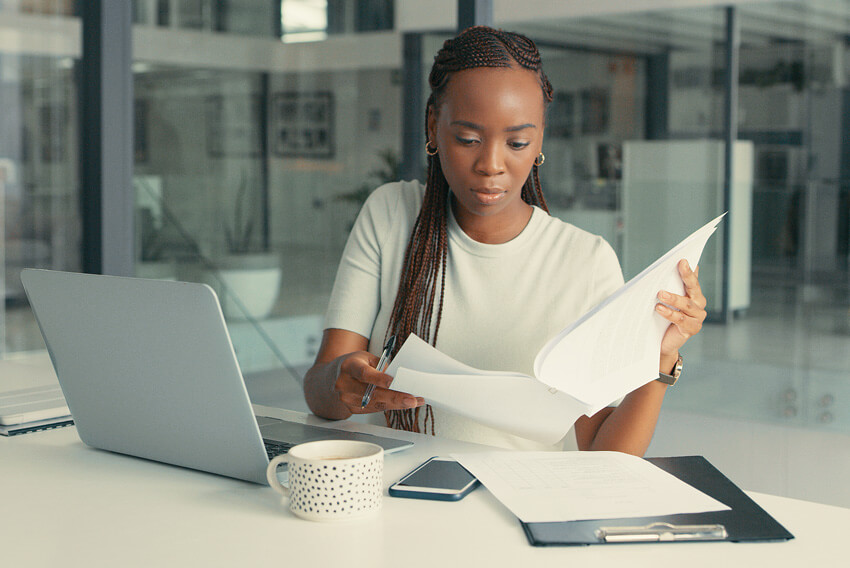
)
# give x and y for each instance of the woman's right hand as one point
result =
(334, 385)
(355, 372)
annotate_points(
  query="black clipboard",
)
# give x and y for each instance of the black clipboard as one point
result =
(745, 521)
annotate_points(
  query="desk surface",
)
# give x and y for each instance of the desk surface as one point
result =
(64, 504)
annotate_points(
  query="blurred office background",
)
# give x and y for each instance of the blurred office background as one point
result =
(258, 127)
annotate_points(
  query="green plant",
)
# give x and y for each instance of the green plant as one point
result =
(152, 246)
(245, 217)
(388, 171)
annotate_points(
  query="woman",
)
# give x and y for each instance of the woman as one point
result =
(473, 263)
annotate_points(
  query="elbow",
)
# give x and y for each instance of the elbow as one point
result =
(323, 402)
(326, 411)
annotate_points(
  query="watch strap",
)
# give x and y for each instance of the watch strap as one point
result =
(674, 375)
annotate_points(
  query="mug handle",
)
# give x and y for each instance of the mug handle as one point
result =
(271, 474)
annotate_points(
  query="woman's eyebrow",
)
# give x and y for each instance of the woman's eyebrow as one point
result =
(474, 126)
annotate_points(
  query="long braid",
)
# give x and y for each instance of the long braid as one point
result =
(427, 250)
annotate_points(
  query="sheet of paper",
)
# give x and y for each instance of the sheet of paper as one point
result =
(507, 401)
(573, 486)
(613, 349)
(521, 406)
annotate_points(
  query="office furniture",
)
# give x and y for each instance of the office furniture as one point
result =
(66, 504)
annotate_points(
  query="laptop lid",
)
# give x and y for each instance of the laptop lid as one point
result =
(147, 369)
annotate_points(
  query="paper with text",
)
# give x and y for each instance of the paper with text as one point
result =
(614, 348)
(603, 356)
(547, 487)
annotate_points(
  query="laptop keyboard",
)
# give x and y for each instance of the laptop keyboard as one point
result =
(276, 448)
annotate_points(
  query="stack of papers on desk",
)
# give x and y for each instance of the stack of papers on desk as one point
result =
(32, 409)
(573, 486)
(603, 356)
(30, 396)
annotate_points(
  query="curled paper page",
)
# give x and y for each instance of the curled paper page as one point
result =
(613, 349)
(519, 405)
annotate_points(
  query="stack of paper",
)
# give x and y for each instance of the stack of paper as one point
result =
(31, 409)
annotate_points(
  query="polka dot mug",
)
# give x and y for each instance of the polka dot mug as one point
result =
(331, 480)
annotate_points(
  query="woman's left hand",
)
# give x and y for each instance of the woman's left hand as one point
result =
(686, 317)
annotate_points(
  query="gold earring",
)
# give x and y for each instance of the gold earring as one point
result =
(538, 161)
(428, 149)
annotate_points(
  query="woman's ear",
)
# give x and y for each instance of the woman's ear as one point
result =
(432, 125)
(542, 130)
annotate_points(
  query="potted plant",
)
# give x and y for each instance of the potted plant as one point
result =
(153, 260)
(247, 278)
(388, 171)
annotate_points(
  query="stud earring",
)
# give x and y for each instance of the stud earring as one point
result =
(538, 161)
(428, 149)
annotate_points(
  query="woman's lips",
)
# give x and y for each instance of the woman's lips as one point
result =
(488, 196)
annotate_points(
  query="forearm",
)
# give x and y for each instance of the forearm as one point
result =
(629, 427)
(320, 394)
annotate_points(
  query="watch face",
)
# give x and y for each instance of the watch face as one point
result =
(677, 370)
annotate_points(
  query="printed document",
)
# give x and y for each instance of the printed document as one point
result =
(547, 487)
(603, 356)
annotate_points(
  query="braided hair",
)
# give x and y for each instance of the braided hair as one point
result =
(424, 266)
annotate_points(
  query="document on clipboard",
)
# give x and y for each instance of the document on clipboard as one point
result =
(739, 520)
(576, 486)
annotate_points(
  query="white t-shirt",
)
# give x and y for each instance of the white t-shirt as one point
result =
(501, 304)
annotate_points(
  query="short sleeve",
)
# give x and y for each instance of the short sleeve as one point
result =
(355, 299)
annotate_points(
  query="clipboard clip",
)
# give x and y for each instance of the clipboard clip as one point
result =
(661, 532)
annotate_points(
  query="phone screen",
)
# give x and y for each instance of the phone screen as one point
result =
(439, 474)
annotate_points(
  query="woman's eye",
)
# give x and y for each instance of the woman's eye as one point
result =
(465, 141)
(518, 145)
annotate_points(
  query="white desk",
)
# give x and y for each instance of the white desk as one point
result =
(64, 504)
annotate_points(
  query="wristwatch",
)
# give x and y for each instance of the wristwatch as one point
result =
(674, 376)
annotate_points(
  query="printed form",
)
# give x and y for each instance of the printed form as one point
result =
(573, 486)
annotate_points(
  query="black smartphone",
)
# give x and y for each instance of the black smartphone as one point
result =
(441, 479)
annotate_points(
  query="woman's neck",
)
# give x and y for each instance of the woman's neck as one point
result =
(493, 229)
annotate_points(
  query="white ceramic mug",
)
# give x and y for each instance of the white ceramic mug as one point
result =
(331, 480)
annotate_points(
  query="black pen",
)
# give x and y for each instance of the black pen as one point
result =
(383, 362)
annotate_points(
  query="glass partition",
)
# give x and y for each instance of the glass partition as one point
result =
(256, 151)
(40, 222)
(634, 150)
(633, 132)
(250, 180)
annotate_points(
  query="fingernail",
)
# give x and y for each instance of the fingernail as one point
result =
(410, 402)
(664, 295)
(661, 309)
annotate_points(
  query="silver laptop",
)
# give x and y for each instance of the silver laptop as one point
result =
(147, 369)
